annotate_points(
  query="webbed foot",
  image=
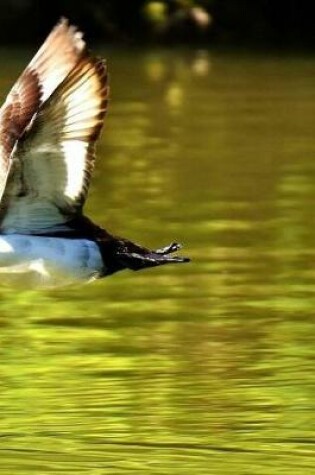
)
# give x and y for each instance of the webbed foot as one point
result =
(137, 260)
(173, 247)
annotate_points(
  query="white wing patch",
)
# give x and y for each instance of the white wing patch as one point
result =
(75, 152)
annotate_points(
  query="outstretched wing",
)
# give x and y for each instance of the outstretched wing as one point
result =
(52, 63)
(54, 160)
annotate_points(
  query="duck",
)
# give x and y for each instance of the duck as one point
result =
(50, 123)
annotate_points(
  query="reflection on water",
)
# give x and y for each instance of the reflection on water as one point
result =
(205, 368)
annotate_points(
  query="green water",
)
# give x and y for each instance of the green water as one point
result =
(202, 369)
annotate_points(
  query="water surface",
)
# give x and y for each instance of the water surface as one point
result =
(206, 368)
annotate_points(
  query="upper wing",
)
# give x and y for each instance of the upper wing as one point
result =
(54, 60)
(53, 162)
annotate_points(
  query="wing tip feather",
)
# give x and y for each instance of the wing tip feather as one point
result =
(74, 34)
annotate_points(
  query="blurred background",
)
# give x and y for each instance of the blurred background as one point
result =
(280, 24)
(205, 368)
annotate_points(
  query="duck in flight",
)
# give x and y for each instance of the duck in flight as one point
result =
(49, 125)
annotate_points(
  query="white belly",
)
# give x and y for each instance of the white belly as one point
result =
(79, 257)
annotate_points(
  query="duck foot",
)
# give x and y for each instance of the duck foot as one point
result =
(137, 261)
(174, 246)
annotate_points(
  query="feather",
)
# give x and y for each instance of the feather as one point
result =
(54, 160)
(49, 67)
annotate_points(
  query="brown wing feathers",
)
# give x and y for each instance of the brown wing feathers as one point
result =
(78, 106)
(54, 148)
(51, 64)
(15, 115)
(57, 56)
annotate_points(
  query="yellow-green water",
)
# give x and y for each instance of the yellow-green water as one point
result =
(207, 368)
